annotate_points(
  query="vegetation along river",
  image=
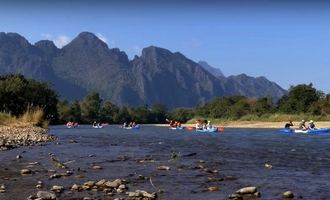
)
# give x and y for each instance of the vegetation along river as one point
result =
(191, 163)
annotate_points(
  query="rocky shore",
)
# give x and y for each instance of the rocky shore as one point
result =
(13, 137)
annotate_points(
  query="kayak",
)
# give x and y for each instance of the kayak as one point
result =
(129, 128)
(176, 128)
(311, 131)
(72, 126)
(207, 130)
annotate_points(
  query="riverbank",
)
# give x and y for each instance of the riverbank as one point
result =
(22, 135)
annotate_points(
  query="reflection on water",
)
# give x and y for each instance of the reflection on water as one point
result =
(230, 160)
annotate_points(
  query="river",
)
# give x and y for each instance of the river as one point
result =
(197, 161)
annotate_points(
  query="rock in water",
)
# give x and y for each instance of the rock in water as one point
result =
(288, 195)
(26, 171)
(247, 190)
(46, 195)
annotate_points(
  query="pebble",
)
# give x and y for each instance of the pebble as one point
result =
(46, 195)
(268, 166)
(213, 188)
(26, 171)
(76, 187)
(288, 195)
(235, 197)
(57, 188)
(163, 167)
(97, 167)
(247, 190)
(113, 184)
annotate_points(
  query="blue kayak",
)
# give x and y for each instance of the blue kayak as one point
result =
(207, 130)
(311, 131)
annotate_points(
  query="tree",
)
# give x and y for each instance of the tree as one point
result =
(75, 112)
(299, 99)
(18, 94)
(158, 113)
(108, 112)
(182, 114)
(90, 107)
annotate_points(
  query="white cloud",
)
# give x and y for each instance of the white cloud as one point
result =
(59, 41)
(102, 37)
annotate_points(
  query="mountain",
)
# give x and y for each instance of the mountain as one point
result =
(87, 64)
(165, 77)
(215, 71)
(253, 87)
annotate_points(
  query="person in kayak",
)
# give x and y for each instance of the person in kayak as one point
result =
(209, 124)
(311, 125)
(288, 125)
(302, 125)
(198, 125)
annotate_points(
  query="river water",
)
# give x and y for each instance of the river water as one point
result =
(229, 161)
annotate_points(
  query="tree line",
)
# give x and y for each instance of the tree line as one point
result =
(18, 94)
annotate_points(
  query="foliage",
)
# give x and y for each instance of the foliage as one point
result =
(90, 107)
(302, 102)
(19, 95)
(300, 99)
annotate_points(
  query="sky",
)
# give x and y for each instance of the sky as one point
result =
(288, 42)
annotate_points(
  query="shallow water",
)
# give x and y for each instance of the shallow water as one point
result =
(300, 162)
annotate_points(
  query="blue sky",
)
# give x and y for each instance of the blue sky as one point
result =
(288, 43)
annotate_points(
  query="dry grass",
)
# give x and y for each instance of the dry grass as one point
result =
(32, 117)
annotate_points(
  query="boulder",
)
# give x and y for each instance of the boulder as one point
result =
(44, 195)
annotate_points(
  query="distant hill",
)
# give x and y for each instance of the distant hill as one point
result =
(87, 64)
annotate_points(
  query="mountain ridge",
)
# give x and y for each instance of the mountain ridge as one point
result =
(87, 64)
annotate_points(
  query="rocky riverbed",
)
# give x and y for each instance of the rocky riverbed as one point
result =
(13, 137)
(157, 163)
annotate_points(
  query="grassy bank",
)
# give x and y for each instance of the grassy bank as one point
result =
(33, 117)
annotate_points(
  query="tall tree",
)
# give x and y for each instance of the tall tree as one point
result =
(90, 107)
(299, 99)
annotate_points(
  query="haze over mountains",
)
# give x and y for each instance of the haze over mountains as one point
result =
(87, 64)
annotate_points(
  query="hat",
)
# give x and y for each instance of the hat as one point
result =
(303, 120)
(311, 121)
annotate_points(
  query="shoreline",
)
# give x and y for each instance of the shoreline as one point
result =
(27, 135)
(253, 124)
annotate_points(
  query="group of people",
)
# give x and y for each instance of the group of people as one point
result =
(203, 124)
(72, 124)
(132, 124)
(174, 124)
(302, 125)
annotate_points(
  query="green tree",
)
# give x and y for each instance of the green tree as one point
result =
(17, 94)
(63, 108)
(90, 107)
(181, 114)
(122, 116)
(158, 113)
(299, 99)
(75, 112)
(108, 112)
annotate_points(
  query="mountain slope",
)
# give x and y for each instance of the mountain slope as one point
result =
(171, 78)
(87, 64)
(214, 71)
